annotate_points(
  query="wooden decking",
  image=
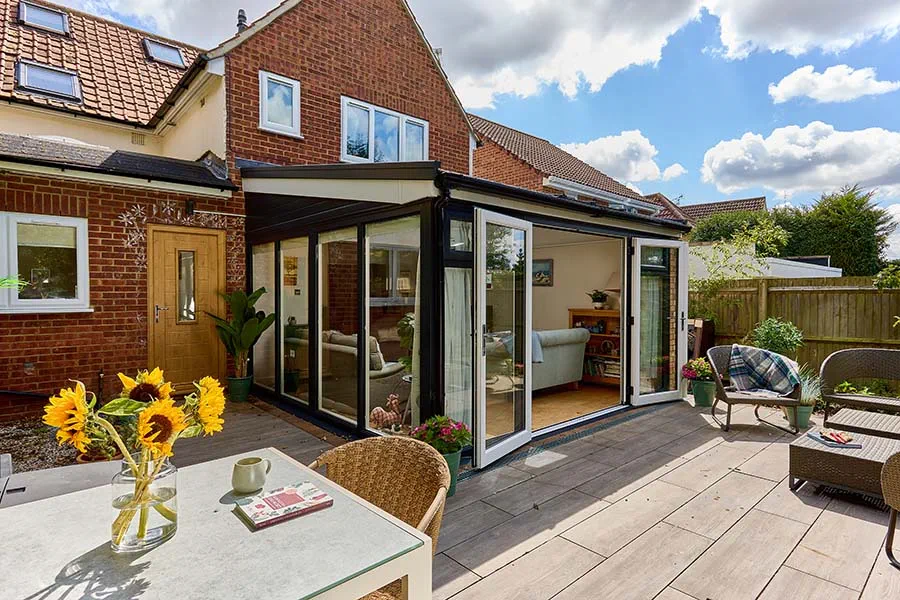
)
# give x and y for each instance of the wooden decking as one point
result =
(257, 425)
(659, 505)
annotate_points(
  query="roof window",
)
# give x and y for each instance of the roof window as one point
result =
(43, 17)
(52, 81)
(164, 53)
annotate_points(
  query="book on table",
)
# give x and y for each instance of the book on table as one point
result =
(282, 504)
(832, 443)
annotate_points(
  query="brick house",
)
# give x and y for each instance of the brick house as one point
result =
(320, 153)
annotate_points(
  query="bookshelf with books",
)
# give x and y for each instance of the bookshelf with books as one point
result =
(603, 351)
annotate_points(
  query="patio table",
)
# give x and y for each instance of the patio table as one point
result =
(59, 547)
(854, 469)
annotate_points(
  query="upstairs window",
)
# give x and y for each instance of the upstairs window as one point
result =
(370, 133)
(43, 17)
(52, 81)
(164, 53)
(279, 104)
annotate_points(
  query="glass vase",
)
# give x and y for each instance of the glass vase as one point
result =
(145, 503)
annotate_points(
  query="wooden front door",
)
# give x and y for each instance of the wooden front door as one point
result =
(185, 273)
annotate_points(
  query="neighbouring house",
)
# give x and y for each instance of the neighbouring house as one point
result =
(670, 210)
(697, 212)
(140, 177)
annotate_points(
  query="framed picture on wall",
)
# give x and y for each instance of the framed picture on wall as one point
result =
(542, 272)
(290, 271)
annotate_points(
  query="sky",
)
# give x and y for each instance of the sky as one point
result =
(702, 100)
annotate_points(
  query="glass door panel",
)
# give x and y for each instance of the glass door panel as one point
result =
(659, 306)
(503, 306)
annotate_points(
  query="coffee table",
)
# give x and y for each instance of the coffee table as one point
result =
(853, 469)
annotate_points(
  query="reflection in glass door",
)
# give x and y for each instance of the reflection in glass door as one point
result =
(659, 304)
(503, 308)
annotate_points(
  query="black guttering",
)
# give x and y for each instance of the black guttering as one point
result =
(424, 170)
(449, 180)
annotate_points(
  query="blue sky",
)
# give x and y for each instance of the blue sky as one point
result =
(664, 95)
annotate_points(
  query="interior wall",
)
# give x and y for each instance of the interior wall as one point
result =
(581, 263)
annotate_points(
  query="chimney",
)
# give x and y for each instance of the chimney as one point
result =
(439, 53)
(242, 20)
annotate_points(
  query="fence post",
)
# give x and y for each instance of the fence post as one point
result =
(762, 292)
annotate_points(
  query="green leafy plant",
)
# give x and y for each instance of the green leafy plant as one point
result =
(443, 434)
(245, 327)
(888, 278)
(782, 337)
(12, 282)
(406, 329)
(597, 295)
(697, 369)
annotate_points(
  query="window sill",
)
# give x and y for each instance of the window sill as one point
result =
(296, 136)
(46, 310)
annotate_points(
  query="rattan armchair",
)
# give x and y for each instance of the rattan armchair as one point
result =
(859, 363)
(404, 477)
(719, 358)
(890, 489)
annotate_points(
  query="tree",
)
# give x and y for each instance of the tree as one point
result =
(724, 226)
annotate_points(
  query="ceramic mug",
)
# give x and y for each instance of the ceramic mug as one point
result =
(249, 474)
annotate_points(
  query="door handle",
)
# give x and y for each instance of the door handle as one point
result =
(683, 319)
(156, 311)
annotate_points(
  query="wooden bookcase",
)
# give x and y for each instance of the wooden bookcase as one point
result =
(603, 351)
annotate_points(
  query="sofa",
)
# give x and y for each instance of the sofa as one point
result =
(563, 356)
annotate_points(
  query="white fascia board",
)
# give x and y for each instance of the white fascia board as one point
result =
(103, 178)
(386, 191)
(566, 185)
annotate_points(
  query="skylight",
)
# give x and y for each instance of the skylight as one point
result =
(48, 80)
(43, 17)
(164, 53)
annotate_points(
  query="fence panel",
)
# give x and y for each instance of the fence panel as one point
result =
(833, 313)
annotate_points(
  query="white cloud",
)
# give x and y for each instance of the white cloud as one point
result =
(673, 171)
(840, 83)
(815, 158)
(893, 248)
(798, 26)
(628, 157)
(519, 47)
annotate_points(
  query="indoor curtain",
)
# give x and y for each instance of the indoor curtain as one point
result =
(458, 366)
(651, 321)
(416, 349)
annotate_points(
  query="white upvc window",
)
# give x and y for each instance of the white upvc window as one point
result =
(279, 104)
(51, 81)
(371, 133)
(48, 253)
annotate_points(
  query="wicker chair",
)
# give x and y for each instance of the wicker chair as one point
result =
(404, 477)
(860, 363)
(719, 358)
(890, 489)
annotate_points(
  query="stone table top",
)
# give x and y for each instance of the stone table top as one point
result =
(59, 547)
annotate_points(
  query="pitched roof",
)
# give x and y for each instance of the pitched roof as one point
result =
(670, 210)
(98, 159)
(696, 212)
(548, 158)
(117, 79)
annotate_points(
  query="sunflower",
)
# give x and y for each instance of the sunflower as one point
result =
(147, 386)
(69, 412)
(159, 424)
(211, 403)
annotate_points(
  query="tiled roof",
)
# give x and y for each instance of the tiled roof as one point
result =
(117, 79)
(696, 212)
(98, 159)
(670, 210)
(549, 159)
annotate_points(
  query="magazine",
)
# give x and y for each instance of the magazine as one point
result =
(831, 444)
(282, 504)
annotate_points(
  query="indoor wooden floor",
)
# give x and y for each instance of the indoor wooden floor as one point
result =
(549, 407)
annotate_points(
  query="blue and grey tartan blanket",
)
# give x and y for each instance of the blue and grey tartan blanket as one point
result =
(757, 370)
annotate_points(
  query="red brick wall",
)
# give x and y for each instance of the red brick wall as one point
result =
(493, 162)
(114, 336)
(342, 294)
(366, 50)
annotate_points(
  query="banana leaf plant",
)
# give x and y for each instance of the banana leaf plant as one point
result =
(243, 330)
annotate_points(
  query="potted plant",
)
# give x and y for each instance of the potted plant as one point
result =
(810, 394)
(239, 335)
(447, 437)
(700, 374)
(775, 335)
(598, 297)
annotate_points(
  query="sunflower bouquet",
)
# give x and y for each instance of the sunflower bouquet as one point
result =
(145, 407)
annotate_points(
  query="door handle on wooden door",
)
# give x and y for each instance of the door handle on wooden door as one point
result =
(156, 312)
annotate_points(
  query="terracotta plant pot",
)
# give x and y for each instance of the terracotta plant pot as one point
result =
(704, 392)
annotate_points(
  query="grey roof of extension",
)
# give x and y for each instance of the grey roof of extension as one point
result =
(98, 159)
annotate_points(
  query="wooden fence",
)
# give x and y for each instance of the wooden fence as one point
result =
(833, 313)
